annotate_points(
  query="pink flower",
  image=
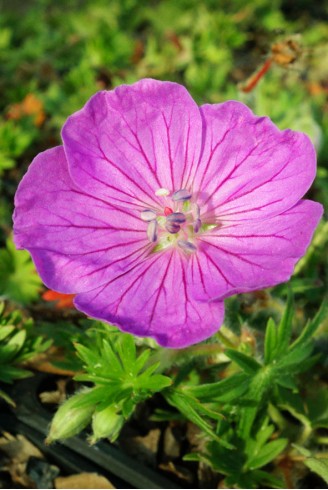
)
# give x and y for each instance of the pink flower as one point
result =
(154, 210)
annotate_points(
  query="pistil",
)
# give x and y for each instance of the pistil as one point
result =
(176, 224)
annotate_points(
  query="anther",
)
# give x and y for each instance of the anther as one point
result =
(197, 225)
(162, 192)
(186, 246)
(147, 215)
(152, 231)
(176, 218)
(181, 195)
(172, 227)
(196, 210)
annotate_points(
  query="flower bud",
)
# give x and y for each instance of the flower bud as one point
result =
(70, 419)
(106, 423)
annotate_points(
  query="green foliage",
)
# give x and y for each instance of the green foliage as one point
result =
(241, 416)
(14, 140)
(18, 344)
(19, 280)
(244, 399)
(317, 463)
(121, 379)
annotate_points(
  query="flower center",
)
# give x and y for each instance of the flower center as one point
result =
(177, 224)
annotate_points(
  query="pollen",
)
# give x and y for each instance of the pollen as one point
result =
(162, 192)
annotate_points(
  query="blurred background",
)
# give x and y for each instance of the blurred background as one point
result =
(55, 55)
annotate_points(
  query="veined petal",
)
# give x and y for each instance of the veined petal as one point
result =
(127, 143)
(77, 241)
(250, 169)
(250, 255)
(153, 300)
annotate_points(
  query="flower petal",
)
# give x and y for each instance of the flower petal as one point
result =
(250, 169)
(127, 143)
(77, 241)
(153, 300)
(250, 255)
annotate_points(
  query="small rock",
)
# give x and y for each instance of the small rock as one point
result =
(41, 473)
(171, 445)
(83, 480)
(143, 448)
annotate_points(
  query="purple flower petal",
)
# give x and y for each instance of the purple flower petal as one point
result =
(77, 241)
(126, 144)
(95, 214)
(250, 169)
(248, 255)
(153, 300)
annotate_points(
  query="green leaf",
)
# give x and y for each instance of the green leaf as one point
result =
(294, 404)
(141, 361)
(270, 342)
(268, 453)
(18, 340)
(312, 326)
(246, 363)
(88, 356)
(190, 408)
(155, 383)
(293, 361)
(126, 349)
(19, 280)
(265, 480)
(319, 466)
(259, 386)
(284, 331)
(112, 361)
(286, 382)
(9, 373)
(7, 353)
(100, 394)
(7, 398)
(226, 390)
(5, 331)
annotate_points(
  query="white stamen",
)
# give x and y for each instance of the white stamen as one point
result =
(152, 231)
(186, 246)
(196, 210)
(148, 215)
(197, 225)
(162, 192)
(181, 195)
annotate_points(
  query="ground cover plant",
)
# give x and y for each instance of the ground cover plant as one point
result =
(254, 392)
